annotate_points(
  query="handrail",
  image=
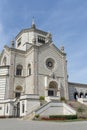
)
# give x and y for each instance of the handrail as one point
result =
(33, 109)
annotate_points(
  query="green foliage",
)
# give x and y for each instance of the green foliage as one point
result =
(63, 117)
(62, 99)
(42, 98)
(37, 116)
(81, 110)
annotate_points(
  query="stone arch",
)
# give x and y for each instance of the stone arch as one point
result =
(53, 84)
(76, 95)
(86, 95)
(81, 94)
(52, 88)
(19, 88)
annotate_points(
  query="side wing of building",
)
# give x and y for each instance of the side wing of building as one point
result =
(77, 90)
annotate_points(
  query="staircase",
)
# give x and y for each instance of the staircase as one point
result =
(30, 116)
(50, 108)
(76, 105)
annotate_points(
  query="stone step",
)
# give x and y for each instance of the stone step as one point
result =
(30, 116)
(76, 105)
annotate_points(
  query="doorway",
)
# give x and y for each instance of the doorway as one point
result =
(75, 95)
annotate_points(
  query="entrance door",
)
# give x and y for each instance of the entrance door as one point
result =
(50, 93)
(52, 89)
(18, 109)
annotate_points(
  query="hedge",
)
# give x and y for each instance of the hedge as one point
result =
(63, 117)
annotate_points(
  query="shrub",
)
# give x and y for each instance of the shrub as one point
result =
(63, 117)
(81, 110)
(42, 98)
(37, 116)
(62, 99)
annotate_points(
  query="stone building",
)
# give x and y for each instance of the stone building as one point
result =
(32, 67)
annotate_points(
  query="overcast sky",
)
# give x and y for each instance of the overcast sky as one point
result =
(65, 19)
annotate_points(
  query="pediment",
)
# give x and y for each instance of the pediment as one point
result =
(53, 48)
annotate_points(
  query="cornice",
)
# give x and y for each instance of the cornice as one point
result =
(17, 50)
(63, 53)
(6, 66)
(31, 30)
(77, 84)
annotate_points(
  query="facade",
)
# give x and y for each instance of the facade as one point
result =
(32, 67)
(77, 90)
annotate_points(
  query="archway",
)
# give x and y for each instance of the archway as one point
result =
(81, 95)
(75, 95)
(85, 95)
(16, 109)
(53, 87)
(18, 91)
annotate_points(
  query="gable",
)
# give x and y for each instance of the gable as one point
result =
(52, 49)
(5, 55)
(47, 52)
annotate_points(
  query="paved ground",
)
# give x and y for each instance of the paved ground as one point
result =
(17, 124)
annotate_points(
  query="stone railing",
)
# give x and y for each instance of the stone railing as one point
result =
(52, 98)
(82, 100)
(29, 96)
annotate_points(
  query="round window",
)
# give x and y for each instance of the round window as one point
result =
(50, 63)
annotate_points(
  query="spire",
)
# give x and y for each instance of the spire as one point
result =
(33, 23)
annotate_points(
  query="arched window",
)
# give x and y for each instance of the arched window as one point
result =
(19, 70)
(4, 61)
(29, 69)
(52, 90)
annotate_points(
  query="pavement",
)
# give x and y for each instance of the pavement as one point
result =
(18, 124)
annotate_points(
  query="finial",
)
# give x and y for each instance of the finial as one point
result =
(33, 20)
(33, 23)
(62, 48)
(48, 38)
